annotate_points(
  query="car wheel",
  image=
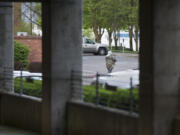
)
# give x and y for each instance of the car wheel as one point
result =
(102, 51)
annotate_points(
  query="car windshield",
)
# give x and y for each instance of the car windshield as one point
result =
(89, 41)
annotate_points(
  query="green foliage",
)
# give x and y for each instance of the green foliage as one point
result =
(93, 17)
(38, 13)
(24, 27)
(115, 99)
(31, 89)
(112, 15)
(21, 53)
(88, 33)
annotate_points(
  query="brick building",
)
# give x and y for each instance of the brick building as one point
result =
(35, 45)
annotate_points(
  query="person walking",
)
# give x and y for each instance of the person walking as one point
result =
(110, 61)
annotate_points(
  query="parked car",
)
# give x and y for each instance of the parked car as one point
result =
(90, 46)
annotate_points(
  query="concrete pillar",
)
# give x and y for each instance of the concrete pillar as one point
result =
(6, 47)
(61, 55)
(159, 66)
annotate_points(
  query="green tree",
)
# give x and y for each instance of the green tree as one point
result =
(112, 15)
(130, 12)
(88, 33)
(112, 19)
(33, 14)
(93, 17)
(26, 15)
(136, 25)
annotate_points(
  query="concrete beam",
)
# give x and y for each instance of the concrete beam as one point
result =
(61, 55)
(6, 47)
(159, 66)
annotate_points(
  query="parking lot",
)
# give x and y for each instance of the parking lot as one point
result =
(127, 67)
(95, 63)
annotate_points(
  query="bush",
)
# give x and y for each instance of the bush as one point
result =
(116, 99)
(21, 53)
(31, 89)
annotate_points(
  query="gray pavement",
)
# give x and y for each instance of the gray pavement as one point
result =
(95, 63)
(126, 67)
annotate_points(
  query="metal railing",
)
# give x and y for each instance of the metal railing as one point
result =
(97, 91)
(28, 84)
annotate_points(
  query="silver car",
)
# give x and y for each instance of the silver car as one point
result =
(90, 46)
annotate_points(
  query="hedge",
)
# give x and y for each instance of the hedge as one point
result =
(116, 99)
(21, 53)
(31, 89)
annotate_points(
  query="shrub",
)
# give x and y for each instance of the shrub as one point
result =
(21, 53)
(116, 99)
(31, 89)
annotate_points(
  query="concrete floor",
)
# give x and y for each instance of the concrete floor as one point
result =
(4, 130)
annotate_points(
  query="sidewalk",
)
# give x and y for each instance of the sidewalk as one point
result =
(126, 54)
(122, 79)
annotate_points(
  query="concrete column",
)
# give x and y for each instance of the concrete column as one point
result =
(159, 66)
(6, 47)
(61, 55)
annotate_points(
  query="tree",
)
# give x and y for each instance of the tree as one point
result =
(112, 15)
(131, 17)
(88, 33)
(136, 26)
(31, 14)
(26, 15)
(93, 18)
(113, 19)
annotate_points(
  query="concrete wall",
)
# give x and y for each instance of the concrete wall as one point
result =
(20, 111)
(176, 126)
(61, 54)
(88, 119)
(6, 47)
(159, 66)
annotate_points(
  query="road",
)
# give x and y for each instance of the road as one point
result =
(121, 74)
(95, 63)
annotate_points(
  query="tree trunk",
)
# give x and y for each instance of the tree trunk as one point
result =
(98, 32)
(131, 37)
(115, 40)
(110, 38)
(98, 38)
(136, 38)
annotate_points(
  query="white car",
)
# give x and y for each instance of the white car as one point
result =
(90, 46)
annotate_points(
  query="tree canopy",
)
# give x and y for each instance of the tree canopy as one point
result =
(26, 15)
(112, 15)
